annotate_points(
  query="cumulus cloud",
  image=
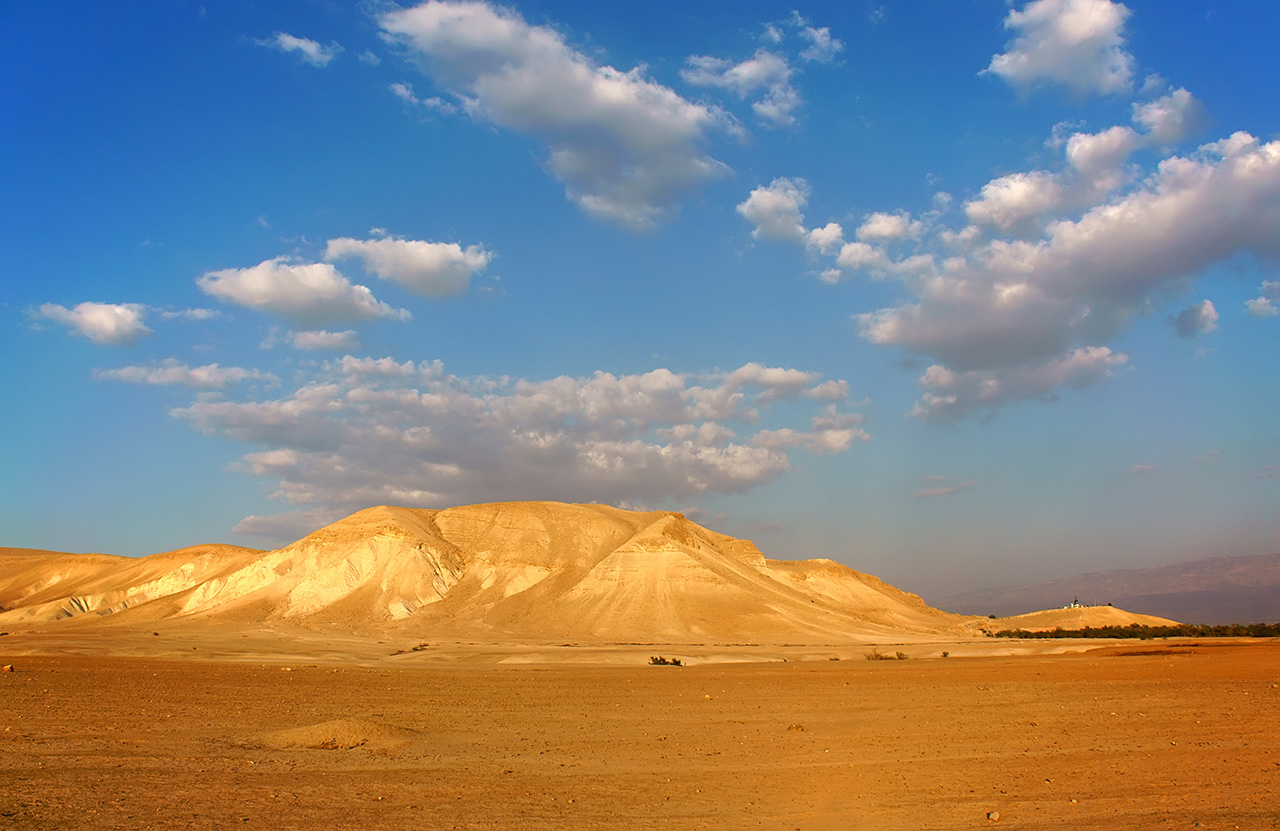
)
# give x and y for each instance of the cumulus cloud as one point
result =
(1078, 43)
(1265, 304)
(999, 305)
(1196, 319)
(1171, 118)
(362, 431)
(1015, 200)
(172, 371)
(777, 210)
(308, 50)
(432, 269)
(624, 146)
(884, 227)
(311, 293)
(827, 239)
(767, 72)
(1006, 319)
(113, 324)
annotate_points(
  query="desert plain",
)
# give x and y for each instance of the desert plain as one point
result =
(401, 669)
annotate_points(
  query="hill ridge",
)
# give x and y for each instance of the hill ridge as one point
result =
(526, 571)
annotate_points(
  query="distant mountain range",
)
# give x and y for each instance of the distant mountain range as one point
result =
(1215, 590)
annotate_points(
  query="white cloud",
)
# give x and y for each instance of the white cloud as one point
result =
(765, 71)
(822, 47)
(172, 371)
(1197, 319)
(432, 269)
(1097, 156)
(827, 239)
(624, 147)
(777, 210)
(1013, 201)
(1006, 302)
(1171, 118)
(884, 227)
(1261, 307)
(949, 396)
(832, 434)
(1079, 43)
(861, 255)
(405, 93)
(309, 50)
(364, 431)
(1265, 304)
(1141, 469)
(321, 340)
(368, 57)
(112, 324)
(313, 293)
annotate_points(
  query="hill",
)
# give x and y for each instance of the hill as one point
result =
(526, 571)
(1214, 590)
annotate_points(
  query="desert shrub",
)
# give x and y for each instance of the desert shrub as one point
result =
(946, 654)
(659, 661)
(877, 655)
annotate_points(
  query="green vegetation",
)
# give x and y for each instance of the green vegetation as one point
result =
(659, 661)
(1134, 630)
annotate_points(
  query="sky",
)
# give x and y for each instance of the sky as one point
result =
(959, 294)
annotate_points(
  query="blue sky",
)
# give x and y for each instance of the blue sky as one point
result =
(960, 294)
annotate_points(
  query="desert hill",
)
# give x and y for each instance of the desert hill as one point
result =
(1213, 590)
(1072, 617)
(532, 571)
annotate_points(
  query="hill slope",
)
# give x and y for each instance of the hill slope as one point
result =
(533, 571)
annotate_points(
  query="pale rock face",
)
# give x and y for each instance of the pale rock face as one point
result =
(529, 571)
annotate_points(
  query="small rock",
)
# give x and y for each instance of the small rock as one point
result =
(7, 668)
(796, 728)
(994, 816)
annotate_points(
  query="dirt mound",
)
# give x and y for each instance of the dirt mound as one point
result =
(340, 734)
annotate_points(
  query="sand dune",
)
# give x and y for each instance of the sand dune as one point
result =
(528, 571)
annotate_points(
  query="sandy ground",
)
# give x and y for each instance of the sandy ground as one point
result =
(1131, 736)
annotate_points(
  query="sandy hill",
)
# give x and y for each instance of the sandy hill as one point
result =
(1213, 590)
(1074, 617)
(532, 571)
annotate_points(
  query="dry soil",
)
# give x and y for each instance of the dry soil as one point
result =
(1134, 736)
